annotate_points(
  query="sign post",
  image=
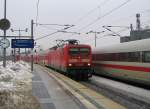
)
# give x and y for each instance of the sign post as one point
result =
(32, 23)
(24, 43)
(4, 25)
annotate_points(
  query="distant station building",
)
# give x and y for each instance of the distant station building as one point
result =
(137, 34)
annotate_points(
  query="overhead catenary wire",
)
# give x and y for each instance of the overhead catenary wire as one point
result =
(91, 11)
(129, 17)
(118, 32)
(112, 35)
(68, 26)
(49, 28)
(132, 15)
(46, 35)
(106, 14)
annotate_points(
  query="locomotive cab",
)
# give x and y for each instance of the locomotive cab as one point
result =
(79, 61)
(80, 56)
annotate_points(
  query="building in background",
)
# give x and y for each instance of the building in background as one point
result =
(137, 34)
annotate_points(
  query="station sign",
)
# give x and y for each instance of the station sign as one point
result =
(22, 43)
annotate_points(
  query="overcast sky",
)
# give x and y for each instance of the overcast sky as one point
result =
(80, 13)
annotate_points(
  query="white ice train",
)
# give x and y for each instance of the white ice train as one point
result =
(128, 61)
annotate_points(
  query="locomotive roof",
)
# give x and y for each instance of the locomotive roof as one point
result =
(67, 45)
(132, 46)
(77, 45)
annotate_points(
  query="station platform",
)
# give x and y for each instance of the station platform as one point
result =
(56, 91)
(49, 93)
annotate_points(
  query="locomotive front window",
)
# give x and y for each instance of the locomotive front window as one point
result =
(73, 51)
(79, 51)
(84, 51)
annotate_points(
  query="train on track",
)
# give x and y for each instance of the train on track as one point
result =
(69, 57)
(129, 61)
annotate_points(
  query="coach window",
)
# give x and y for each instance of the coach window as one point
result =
(134, 56)
(147, 56)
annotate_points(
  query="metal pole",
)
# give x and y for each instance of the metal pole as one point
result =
(5, 9)
(25, 51)
(15, 53)
(12, 55)
(19, 38)
(32, 48)
(4, 50)
(95, 39)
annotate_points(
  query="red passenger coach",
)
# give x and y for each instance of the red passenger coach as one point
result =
(71, 58)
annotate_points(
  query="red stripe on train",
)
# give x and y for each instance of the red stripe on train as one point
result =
(134, 68)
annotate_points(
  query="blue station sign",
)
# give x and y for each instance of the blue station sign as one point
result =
(22, 43)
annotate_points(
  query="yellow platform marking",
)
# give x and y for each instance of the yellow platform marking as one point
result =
(85, 102)
(92, 94)
(76, 88)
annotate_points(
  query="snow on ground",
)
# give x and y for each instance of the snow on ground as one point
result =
(15, 76)
(16, 86)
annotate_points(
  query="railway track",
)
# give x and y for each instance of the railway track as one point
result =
(130, 96)
(84, 96)
(126, 95)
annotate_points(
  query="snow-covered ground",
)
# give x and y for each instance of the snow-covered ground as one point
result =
(16, 85)
(15, 76)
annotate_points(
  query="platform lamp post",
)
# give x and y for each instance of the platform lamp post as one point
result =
(19, 30)
(95, 34)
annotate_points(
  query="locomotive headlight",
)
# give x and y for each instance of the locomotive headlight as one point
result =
(89, 64)
(70, 65)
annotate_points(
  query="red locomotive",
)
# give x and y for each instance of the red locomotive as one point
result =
(69, 57)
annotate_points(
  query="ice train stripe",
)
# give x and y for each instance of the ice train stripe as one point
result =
(134, 68)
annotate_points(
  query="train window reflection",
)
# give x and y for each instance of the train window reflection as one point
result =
(128, 57)
(147, 56)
